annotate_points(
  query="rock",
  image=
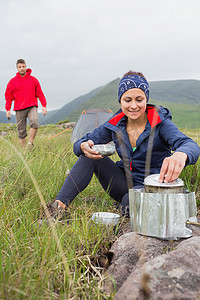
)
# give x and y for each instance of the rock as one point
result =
(175, 275)
(131, 251)
(4, 133)
(66, 125)
(150, 268)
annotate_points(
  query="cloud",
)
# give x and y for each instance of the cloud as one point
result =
(76, 46)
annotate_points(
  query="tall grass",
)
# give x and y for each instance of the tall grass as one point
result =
(191, 174)
(41, 261)
(60, 261)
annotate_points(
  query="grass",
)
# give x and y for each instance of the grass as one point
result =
(191, 174)
(58, 261)
(48, 262)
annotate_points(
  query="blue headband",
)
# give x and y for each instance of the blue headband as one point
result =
(131, 82)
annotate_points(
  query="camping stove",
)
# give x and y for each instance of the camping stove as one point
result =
(162, 209)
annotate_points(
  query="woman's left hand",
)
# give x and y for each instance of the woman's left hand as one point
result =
(172, 167)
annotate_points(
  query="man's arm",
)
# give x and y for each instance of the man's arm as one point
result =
(39, 94)
(9, 98)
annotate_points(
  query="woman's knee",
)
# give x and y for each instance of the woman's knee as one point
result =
(85, 160)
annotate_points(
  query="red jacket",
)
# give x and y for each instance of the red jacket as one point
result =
(24, 91)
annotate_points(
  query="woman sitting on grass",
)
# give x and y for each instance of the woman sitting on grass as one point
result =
(139, 131)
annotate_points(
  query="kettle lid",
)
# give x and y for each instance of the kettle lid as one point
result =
(153, 180)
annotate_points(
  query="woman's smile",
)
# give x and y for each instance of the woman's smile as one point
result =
(133, 103)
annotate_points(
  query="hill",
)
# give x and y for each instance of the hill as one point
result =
(179, 91)
(63, 112)
(170, 94)
(50, 113)
(105, 98)
(167, 93)
(185, 116)
(4, 119)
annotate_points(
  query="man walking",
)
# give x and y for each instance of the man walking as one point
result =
(24, 90)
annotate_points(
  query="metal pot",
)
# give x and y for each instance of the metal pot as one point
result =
(162, 210)
(152, 185)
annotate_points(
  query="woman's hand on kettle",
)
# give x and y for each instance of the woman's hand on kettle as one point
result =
(172, 167)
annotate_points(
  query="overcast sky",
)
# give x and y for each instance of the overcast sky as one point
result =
(73, 46)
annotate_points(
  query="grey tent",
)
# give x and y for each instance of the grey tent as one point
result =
(89, 120)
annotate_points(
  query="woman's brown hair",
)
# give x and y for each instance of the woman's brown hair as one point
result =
(133, 73)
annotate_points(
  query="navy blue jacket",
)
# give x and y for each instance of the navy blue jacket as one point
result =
(160, 137)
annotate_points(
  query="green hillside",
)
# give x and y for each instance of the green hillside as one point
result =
(184, 115)
(180, 96)
(49, 115)
(106, 98)
(67, 109)
(180, 91)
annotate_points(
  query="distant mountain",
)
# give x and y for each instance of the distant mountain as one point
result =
(102, 97)
(4, 119)
(62, 113)
(49, 114)
(166, 93)
(170, 94)
(105, 98)
(179, 91)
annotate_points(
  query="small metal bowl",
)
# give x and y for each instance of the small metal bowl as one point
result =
(106, 218)
(104, 149)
